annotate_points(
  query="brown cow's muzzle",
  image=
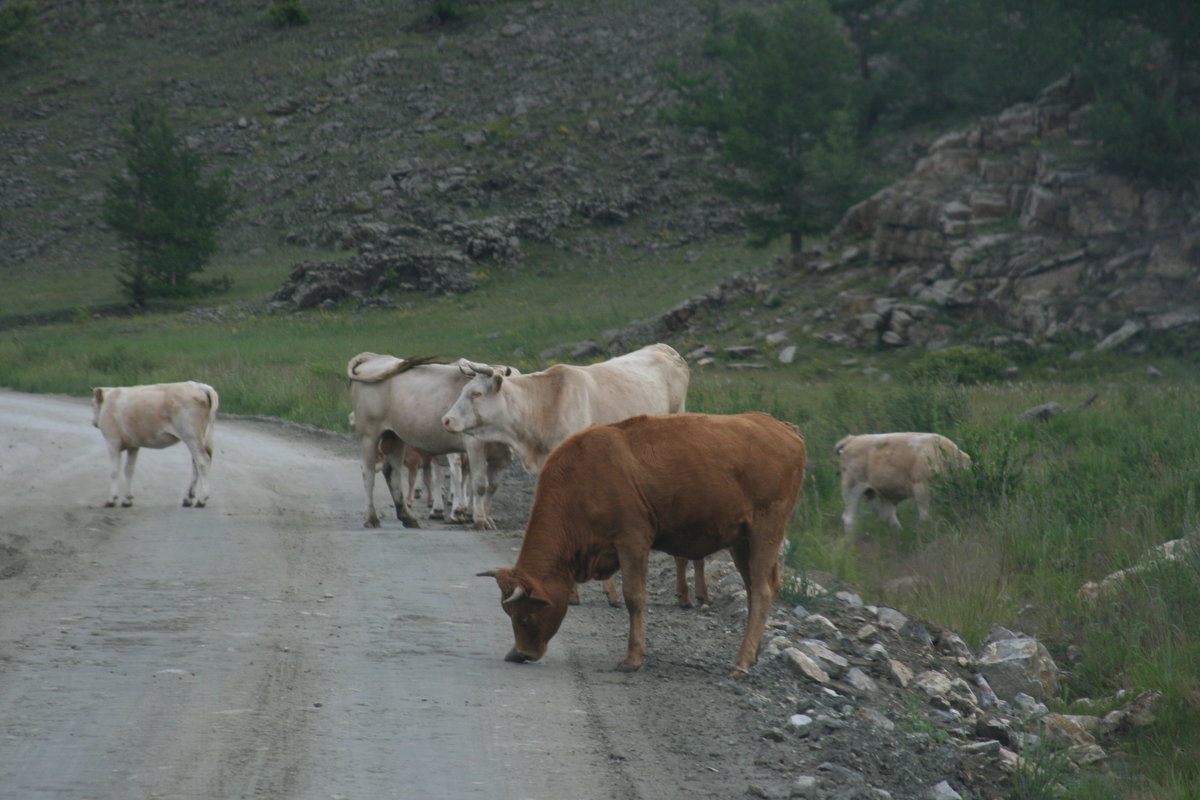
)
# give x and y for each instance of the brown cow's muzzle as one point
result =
(517, 657)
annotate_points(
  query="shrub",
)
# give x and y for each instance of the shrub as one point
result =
(995, 474)
(964, 365)
(288, 13)
(15, 20)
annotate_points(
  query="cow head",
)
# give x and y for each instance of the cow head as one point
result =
(97, 400)
(479, 406)
(535, 614)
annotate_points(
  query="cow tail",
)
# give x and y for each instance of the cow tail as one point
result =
(402, 365)
(210, 425)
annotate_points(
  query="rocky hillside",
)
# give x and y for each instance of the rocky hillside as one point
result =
(369, 128)
(430, 149)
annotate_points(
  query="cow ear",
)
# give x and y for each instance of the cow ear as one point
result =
(505, 580)
(497, 380)
(535, 592)
(97, 395)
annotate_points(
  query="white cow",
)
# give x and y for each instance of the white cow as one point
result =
(399, 400)
(893, 467)
(416, 464)
(534, 413)
(157, 415)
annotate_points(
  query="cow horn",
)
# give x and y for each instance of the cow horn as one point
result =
(487, 573)
(517, 594)
(484, 369)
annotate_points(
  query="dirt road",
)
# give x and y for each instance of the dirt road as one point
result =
(270, 646)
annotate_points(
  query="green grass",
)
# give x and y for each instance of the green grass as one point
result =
(1045, 507)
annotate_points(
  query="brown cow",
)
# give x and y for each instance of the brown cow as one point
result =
(685, 484)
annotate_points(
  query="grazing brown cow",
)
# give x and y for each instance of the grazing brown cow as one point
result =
(893, 467)
(685, 484)
(157, 415)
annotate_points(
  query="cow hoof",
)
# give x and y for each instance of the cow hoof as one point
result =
(436, 515)
(187, 503)
(515, 657)
(738, 673)
(126, 504)
(199, 504)
(110, 503)
(625, 666)
(371, 523)
(685, 603)
(410, 522)
(614, 603)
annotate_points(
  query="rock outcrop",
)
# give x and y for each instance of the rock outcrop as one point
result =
(1006, 222)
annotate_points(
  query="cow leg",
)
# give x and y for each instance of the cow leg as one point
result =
(702, 595)
(480, 498)
(756, 558)
(681, 584)
(459, 476)
(114, 473)
(889, 512)
(852, 496)
(427, 481)
(610, 589)
(190, 497)
(682, 594)
(922, 498)
(393, 462)
(412, 484)
(131, 456)
(369, 447)
(434, 478)
(635, 568)
(198, 490)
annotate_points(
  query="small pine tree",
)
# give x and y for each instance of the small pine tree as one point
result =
(782, 102)
(164, 212)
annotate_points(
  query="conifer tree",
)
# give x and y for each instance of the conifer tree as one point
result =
(164, 211)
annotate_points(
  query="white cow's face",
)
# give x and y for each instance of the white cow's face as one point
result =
(479, 406)
(97, 400)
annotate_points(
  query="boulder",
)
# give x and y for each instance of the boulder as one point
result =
(1016, 665)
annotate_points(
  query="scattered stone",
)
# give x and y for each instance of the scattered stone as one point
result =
(933, 683)
(899, 672)
(891, 619)
(804, 665)
(1041, 413)
(830, 662)
(1121, 335)
(801, 724)
(1016, 665)
(740, 352)
(861, 682)
(943, 791)
(805, 786)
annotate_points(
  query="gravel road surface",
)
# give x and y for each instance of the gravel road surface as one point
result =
(268, 646)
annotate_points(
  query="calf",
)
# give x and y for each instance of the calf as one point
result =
(893, 467)
(156, 415)
(685, 484)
